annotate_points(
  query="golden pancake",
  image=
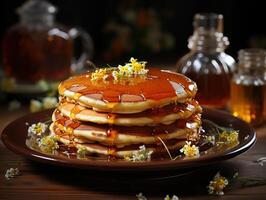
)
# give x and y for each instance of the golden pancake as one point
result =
(130, 95)
(99, 149)
(122, 136)
(151, 117)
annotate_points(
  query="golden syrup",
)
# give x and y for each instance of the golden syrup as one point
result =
(111, 118)
(248, 102)
(76, 96)
(113, 131)
(74, 111)
(111, 151)
(158, 85)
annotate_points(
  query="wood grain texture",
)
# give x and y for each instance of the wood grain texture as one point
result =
(39, 181)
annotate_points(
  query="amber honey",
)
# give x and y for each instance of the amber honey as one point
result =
(248, 102)
(213, 89)
(248, 87)
(31, 55)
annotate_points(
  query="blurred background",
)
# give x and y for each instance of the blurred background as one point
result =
(115, 25)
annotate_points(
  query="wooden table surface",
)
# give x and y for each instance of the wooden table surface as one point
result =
(39, 181)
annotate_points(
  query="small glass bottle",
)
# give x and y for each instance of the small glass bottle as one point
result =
(206, 63)
(248, 86)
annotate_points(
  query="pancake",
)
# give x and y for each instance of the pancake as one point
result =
(151, 117)
(122, 136)
(99, 149)
(132, 95)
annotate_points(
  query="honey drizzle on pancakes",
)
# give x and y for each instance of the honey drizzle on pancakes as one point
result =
(158, 85)
(111, 131)
(155, 114)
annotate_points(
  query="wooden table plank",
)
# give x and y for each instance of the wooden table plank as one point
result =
(40, 181)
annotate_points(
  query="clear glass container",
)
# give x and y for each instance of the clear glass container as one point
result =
(248, 86)
(38, 48)
(207, 63)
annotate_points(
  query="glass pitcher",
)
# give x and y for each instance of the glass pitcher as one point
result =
(38, 48)
(207, 63)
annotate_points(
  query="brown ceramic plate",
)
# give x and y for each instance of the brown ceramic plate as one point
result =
(15, 134)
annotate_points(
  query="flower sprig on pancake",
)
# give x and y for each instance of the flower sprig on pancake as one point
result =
(132, 69)
(99, 74)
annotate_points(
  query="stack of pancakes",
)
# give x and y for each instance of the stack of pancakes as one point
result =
(114, 118)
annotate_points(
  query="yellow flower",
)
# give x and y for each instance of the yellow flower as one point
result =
(125, 70)
(190, 151)
(37, 129)
(228, 137)
(48, 144)
(217, 185)
(137, 67)
(122, 71)
(99, 74)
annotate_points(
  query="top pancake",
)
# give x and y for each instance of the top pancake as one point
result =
(130, 95)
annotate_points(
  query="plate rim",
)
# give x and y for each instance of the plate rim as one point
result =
(127, 166)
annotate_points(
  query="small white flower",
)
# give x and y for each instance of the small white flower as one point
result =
(174, 197)
(81, 152)
(35, 105)
(37, 129)
(211, 139)
(48, 144)
(190, 151)
(14, 105)
(217, 185)
(49, 102)
(142, 154)
(140, 196)
(11, 173)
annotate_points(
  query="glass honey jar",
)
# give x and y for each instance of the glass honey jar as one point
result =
(39, 48)
(207, 63)
(248, 86)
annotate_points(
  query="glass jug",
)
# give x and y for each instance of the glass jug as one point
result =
(206, 63)
(37, 48)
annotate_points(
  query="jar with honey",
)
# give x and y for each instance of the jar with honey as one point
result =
(207, 63)
(38, 48)
(248, 86)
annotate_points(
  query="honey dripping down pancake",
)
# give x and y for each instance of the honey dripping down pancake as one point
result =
(113, 111)
(164, 115)
(120, 151)
(122, 135)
